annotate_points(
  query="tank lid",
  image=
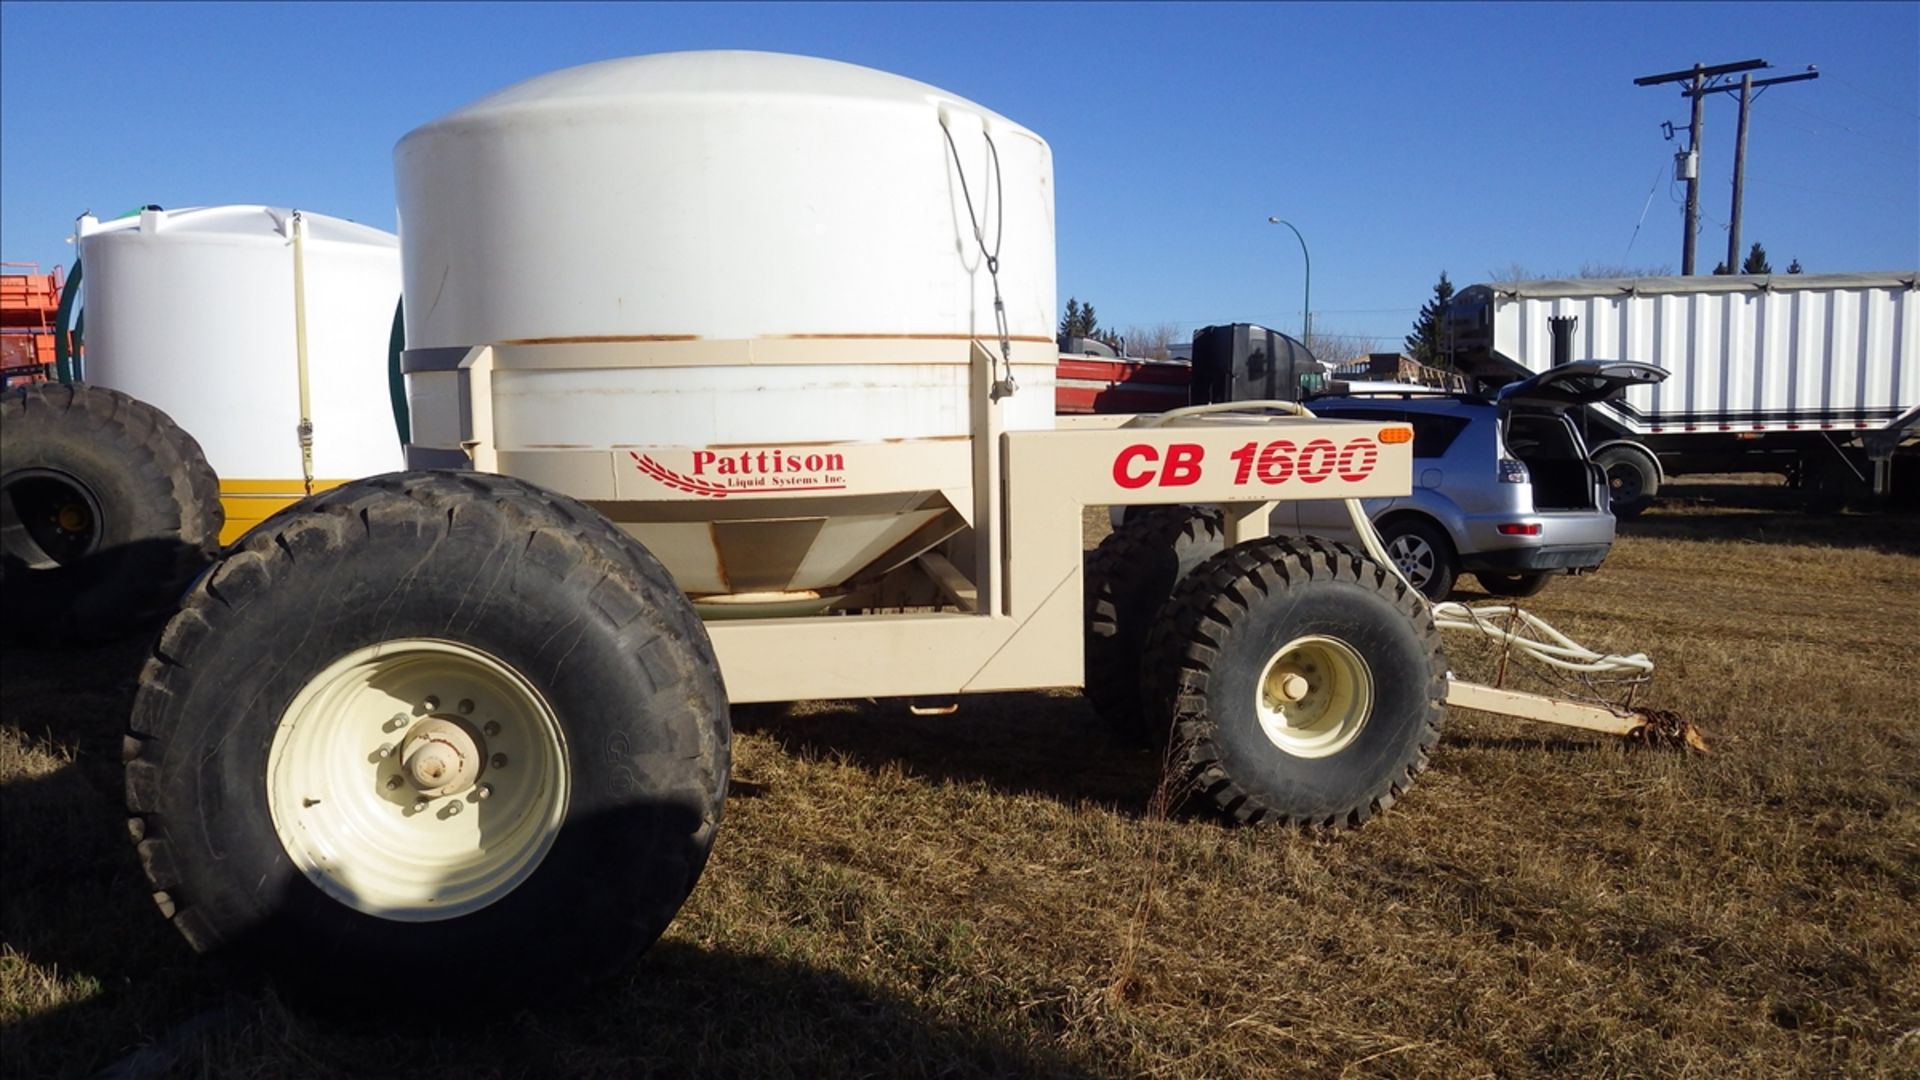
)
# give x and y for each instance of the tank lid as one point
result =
(713, 72)
(246, 220)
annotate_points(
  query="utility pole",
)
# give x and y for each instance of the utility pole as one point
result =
(1739, 173)
(1702, 80)
(1693, 176)
(1747, 97)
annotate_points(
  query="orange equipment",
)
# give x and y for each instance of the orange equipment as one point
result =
(29, 306)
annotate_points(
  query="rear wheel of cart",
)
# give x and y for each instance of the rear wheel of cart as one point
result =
(442, 730)
(1305, 683)
(107, 511)
(1129, 578)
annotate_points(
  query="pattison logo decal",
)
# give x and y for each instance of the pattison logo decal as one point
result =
(717, 474)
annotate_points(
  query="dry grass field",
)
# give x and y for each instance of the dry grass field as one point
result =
(987, 894)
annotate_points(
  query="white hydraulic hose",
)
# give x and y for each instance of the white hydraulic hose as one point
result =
(1551, 647)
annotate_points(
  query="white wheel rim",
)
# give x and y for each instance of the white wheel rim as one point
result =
(1314, 696)
(367, 830)
(1415, 558)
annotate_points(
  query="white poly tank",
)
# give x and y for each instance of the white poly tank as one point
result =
(192, 311)
(723, 250)
(730, 197)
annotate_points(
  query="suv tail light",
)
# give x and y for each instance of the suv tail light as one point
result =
(1514, 472)
(1519, 528)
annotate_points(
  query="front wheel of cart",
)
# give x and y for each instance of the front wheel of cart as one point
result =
(1304, 682)
(443, 729)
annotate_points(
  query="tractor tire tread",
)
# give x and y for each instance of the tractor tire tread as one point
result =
(1186, 642)
(160, 457)
(1121, 607)
(353, 517)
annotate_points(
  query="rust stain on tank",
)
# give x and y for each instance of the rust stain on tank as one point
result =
(907, 337)
(603, 339)
(828, 442)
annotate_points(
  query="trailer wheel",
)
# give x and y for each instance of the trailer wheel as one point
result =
(1129, 577)
(441, 730)
(1305, 683)
(1514, 584)
(107, 511)
(1632, 480)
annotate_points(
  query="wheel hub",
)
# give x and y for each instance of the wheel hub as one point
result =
(442, 755)
(403, 809)
(1414, 558)
(1292, 687)
(73, 518)
(48, 519)
(1314, 696)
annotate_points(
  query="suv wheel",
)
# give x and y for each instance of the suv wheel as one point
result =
(1423, 553)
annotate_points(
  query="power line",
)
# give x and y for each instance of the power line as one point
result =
(1873, 142)
(1843, 194)
(1870, 146)
(1657, 170)
(1877, 100)
(1702, 80)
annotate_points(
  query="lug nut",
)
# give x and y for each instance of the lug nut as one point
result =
(396, 722)
(419, 804)
(431, 703)
(499, 761)
(490, 728)
(453, 809)
(465, 706)
(393, 783)
(386, 750)
(482, 792)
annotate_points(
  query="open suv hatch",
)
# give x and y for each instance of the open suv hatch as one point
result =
(1504, 488)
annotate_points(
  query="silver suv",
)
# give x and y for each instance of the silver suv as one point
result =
(1503, 486)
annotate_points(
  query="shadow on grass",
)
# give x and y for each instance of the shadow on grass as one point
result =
(1549, 743)
(93, 969)
(93, 977)
(1771, 514)
(1051, 745)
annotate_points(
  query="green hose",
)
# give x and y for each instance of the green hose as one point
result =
(64, 367)
(397, 383)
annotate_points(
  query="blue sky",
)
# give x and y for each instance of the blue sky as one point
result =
(1402, 139)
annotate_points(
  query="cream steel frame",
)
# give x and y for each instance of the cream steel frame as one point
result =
(1022, 491)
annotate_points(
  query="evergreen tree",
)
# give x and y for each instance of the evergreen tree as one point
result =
(1755, 263)
(1079, 320)
(1427, 343)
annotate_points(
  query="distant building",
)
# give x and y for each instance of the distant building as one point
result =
(1398, 367)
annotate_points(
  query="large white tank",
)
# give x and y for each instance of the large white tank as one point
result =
(714, 249)
(193, 311)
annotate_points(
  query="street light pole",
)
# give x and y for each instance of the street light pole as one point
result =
(1306, 302)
